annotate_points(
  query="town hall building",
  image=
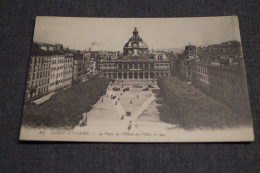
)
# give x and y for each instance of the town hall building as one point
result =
(136, 62)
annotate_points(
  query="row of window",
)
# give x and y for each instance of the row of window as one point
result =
(135, 66)
(68, 65)
(44, 89)
(40, 91)
(57, 68)
(130, 75)
(61, 61)
(69, 70)
(39, 75)
(53, 76)
(108, 66)
(39, 67)
(38, 83)
(40, 60)
(57, 82)
(161, 66)
(214, 73)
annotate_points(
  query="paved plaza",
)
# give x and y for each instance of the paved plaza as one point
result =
(107, 113)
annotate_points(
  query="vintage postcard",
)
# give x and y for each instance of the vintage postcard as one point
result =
(137, 80)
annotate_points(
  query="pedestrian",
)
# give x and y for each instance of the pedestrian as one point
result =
(130, 125)
(118, 98)
(137, 96)
(86, 119)
(121, 93)
(131, 101)
(102, 99)
(122, 117)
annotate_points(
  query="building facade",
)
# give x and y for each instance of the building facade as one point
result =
(136, 62)
(200, 76)
(57, 69)
(38, 75)
(218, 71)
(68, 70)
(78, 67)
(228, 85)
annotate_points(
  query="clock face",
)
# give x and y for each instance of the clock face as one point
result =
(134, 45)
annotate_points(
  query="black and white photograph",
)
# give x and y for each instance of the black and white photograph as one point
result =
(136, 80)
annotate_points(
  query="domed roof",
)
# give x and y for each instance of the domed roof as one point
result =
(135, 45)
(140, 44)
(135, 41)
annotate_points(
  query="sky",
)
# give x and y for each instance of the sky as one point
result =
(112, 33)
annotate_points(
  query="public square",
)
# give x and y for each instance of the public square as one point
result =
(110, 113)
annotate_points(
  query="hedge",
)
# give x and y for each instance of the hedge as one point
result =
(65, 108)
(190, 108)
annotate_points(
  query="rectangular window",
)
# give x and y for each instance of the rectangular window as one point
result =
(146, 66)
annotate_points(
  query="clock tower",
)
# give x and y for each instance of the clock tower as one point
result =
(135, 45)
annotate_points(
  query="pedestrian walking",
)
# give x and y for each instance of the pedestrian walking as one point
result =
(137, 96)
(118, 98)
(122, 117)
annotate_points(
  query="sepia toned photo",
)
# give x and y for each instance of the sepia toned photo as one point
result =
(137, 80)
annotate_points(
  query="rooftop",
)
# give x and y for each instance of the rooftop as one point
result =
(40, 52)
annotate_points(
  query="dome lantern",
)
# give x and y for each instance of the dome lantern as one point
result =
(135, 32)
